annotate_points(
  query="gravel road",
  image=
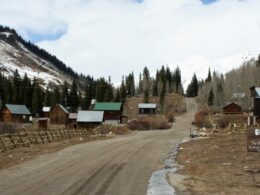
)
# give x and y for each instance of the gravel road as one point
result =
(118, 166)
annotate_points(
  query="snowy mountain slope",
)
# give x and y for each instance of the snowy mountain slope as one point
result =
(17, 56)
(200, 65)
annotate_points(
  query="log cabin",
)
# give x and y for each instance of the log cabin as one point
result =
(89, 119)
(15, 113)
(59, 115)
(232, 108)
(147, 108)
(112, 111)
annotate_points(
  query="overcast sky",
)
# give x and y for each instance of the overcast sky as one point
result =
(115, 37)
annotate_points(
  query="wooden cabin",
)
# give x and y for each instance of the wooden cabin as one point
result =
(147, 108)
(232, 108)
(15, 113)
(89, 119)
(255, 100)
(73, 120)
(112, 111)
(46, 111)
(59, 115)
(43, 123)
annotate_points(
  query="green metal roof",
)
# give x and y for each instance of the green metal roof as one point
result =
(107, 106)
(18, 109)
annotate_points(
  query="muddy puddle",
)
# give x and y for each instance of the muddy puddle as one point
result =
(158, 183)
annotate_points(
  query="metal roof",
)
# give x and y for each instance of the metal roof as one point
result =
(64, 109)
(46, 109)
(146, 105)
(18, 109)
(90, 116)
(108, 106)
(73, 115)
(257, 90)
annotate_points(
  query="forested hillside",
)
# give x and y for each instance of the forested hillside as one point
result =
(218, 89)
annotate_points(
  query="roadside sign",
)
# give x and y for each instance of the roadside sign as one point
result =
(253, 140)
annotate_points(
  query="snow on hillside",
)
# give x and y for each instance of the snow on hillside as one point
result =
(20, 58)
(200, 65)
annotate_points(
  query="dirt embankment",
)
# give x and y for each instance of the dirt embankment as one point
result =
(220, 165)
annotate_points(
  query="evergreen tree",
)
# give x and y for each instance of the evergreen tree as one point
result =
(211, 97)
(123, 91)
(101, 89)
(117, 97)
(192, 89)
(36, 99)
(16, 88)
(47, 98)
(108, 97)
(64, 94)
(55, 96)
(209, 78)
(74, 99)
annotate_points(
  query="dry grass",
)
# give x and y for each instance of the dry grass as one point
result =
(220, 165)
(149, 122)
(223, 120)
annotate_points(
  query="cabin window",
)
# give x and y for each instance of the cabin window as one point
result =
(24, 117)
(142, 111)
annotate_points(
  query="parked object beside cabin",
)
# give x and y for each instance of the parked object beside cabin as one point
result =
(15, 113)
(89, 119)
(147, 108)
(46, 111)
(255, 100)
(232, 108)
(73, 120)
(59, 115)
(43, 123)
(112, 111)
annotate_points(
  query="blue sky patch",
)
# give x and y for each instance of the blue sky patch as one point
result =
(38, 37)
(206, 2)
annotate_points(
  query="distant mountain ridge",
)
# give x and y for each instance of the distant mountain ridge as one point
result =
(16, 53)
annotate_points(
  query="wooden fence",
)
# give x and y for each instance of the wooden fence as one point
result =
(27, 138)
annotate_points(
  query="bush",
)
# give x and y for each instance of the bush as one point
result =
(202, 119)
(149, 122)
(224, 119)
(170, 117)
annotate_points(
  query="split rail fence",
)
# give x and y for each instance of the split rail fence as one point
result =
(27, 138)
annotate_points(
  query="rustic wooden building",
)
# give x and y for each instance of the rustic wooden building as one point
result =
(46, 111)
(255, 100)
(59, 115)
(112, 111)
(43, 123)
(232, 108)
(89, 119)
(147, 108)
(15, 113)
(73, 120)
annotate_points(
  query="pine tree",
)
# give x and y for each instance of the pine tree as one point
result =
(209, 78)
(117, 97)
(16, 88)
(192, 89)
(146, 96)
(74, 99)
(211, 97)
(123, 91)
(64, 94)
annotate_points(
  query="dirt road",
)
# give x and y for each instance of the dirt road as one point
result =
(118, 166)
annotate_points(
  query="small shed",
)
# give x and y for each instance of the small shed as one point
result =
(15, 113)
(73, 120)
(46, 111)
(232, 108)
(59, 115)
(90, 119)
(112, 111)
(43, 123)
(255, 100)
(147, 108)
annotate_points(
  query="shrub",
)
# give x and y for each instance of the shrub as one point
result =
(202, 119)
(170, 117)
(149, 122)
(224, 119)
